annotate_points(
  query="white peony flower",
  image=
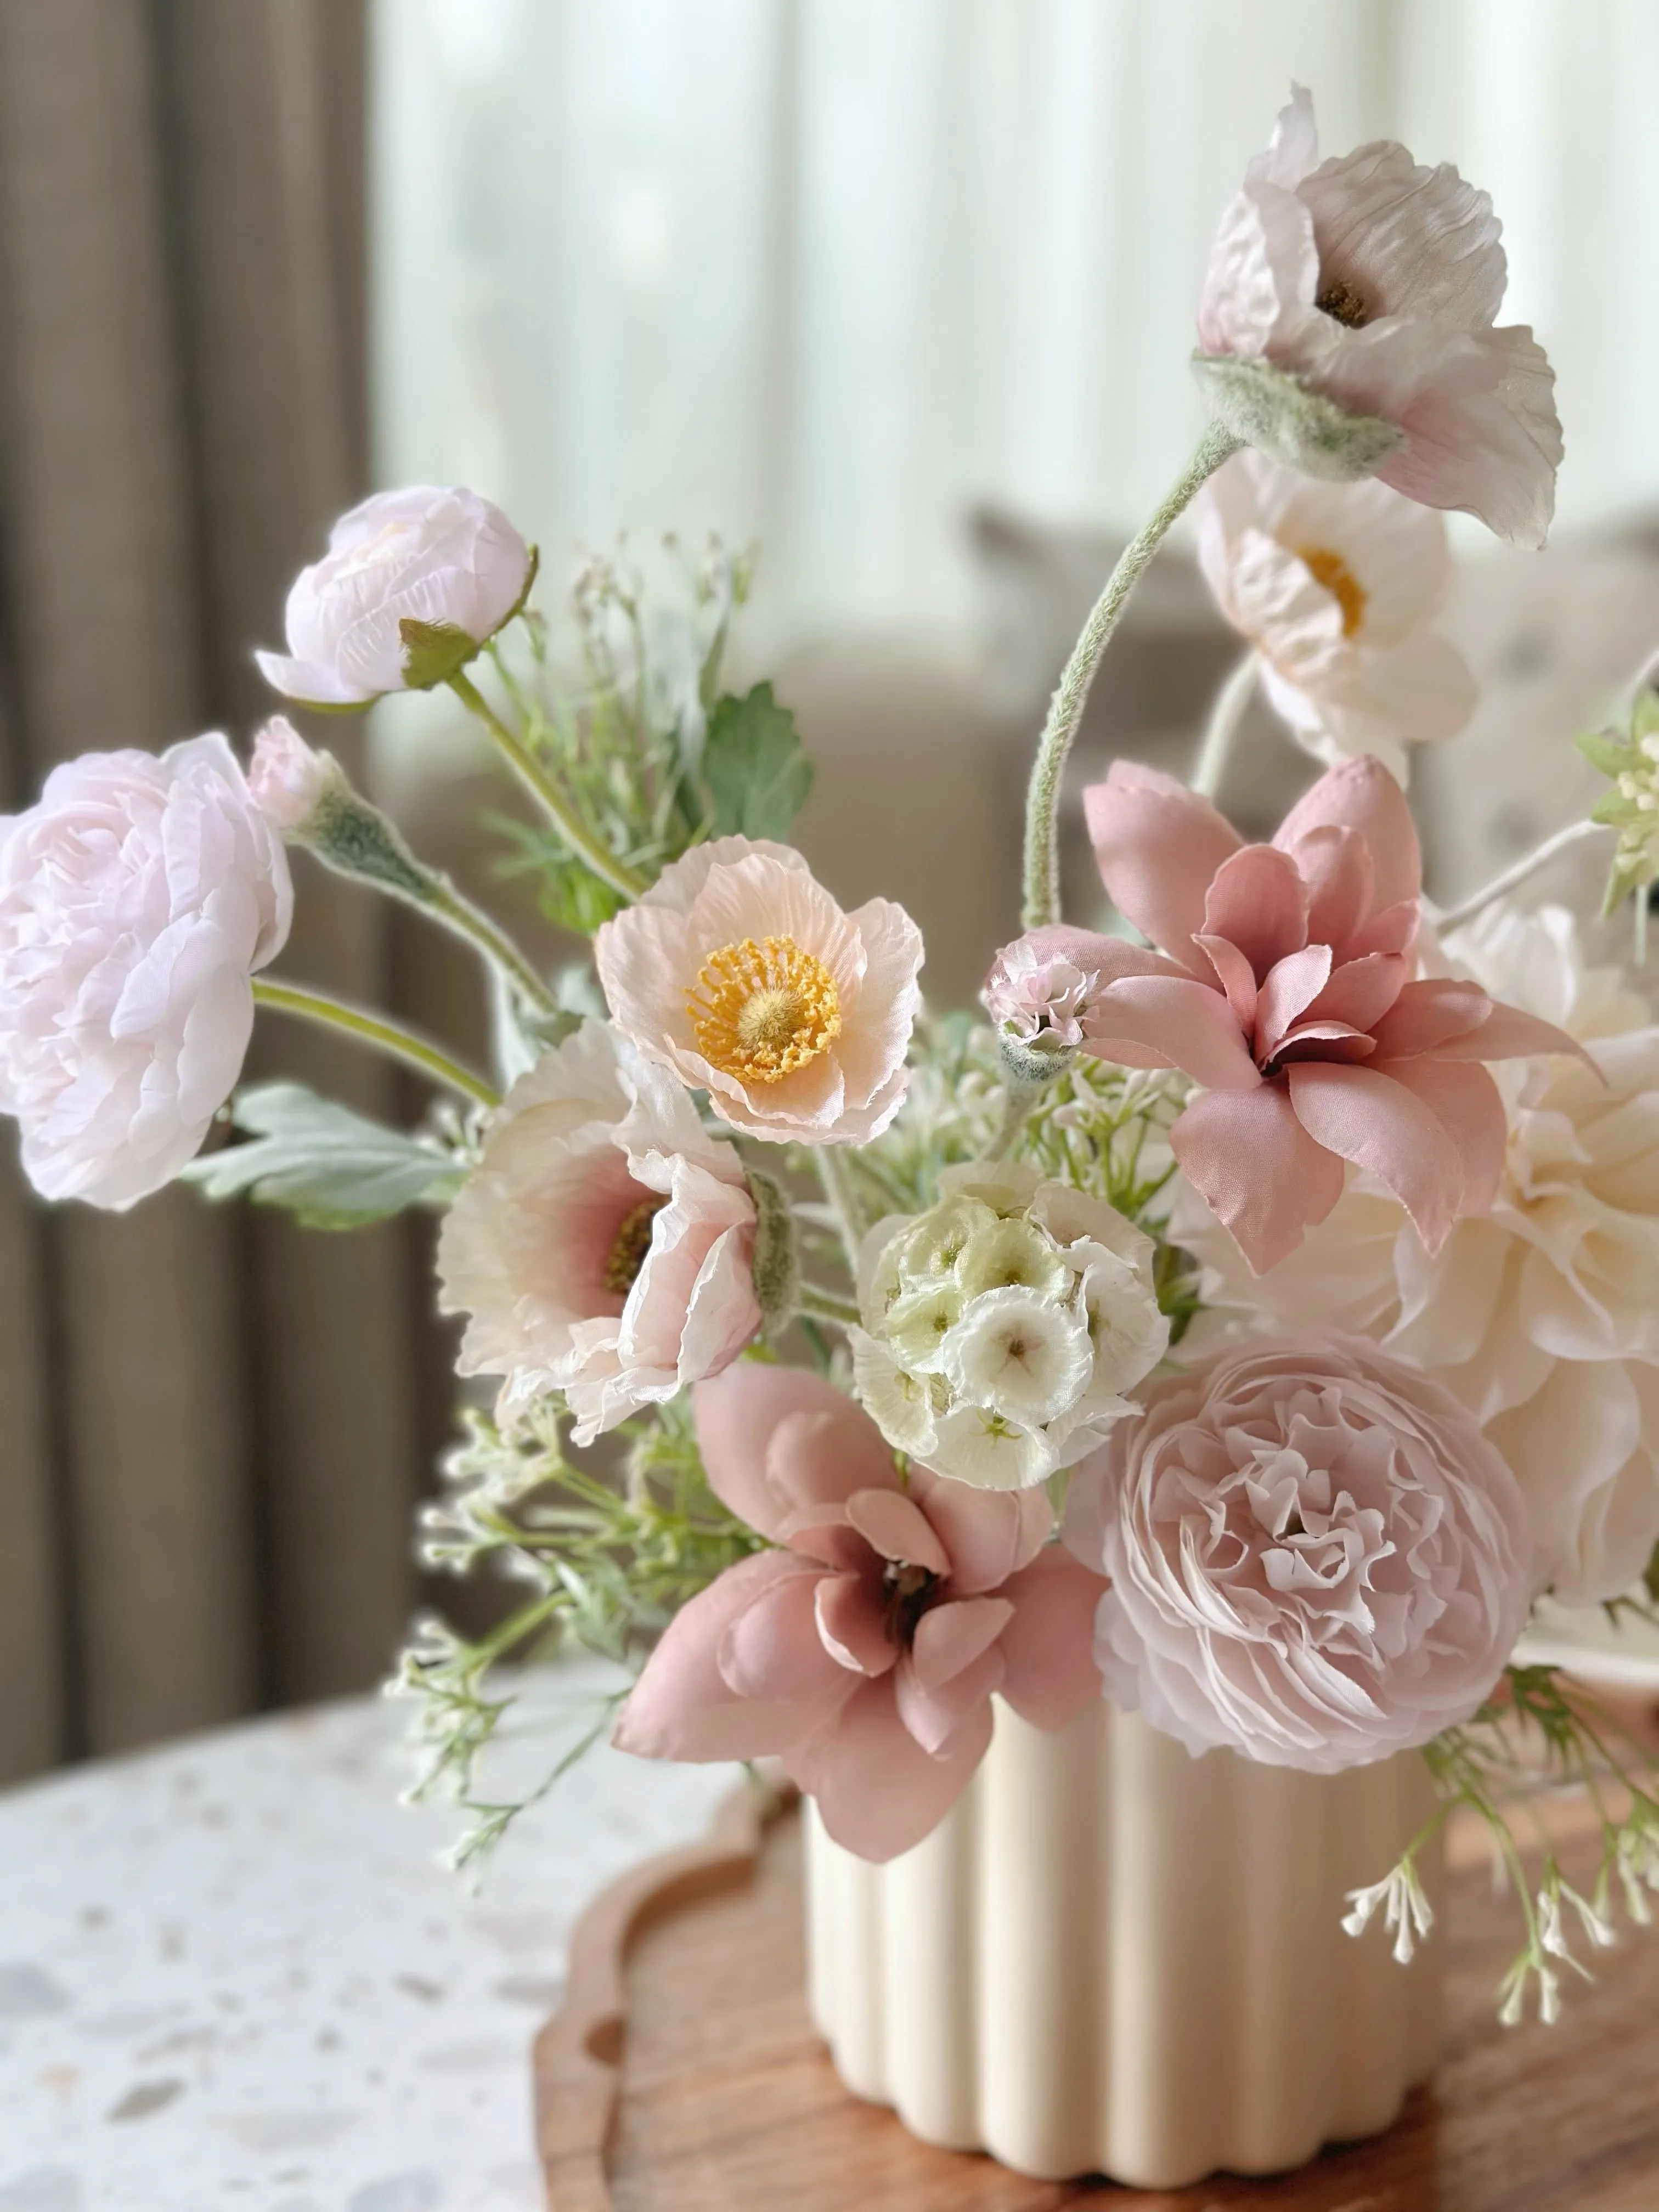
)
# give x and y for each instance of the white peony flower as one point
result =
(739, 970)
(137, 896)
(443, 560)
(1337, 586)
(1003, 1326)
(604, 1245)
(1543, 1316)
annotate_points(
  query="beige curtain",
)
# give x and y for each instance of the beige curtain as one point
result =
(208, 1442)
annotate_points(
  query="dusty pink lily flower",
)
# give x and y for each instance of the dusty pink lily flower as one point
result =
(1376, 284)
(1281, 981)
(864, 1651)
(1314, 1556)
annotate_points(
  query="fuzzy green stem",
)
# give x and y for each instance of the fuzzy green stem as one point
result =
(458, 914)
(825, 1305)
(1231, 703)
(837, 1178)
(1041, 881)
(604, 865)
(389, 1037)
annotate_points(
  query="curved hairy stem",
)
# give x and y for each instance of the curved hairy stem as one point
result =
(1576, 833)
(388, 1037)
(1072, 693)
(1231, 703)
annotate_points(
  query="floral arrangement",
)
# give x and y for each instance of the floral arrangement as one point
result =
(1250, 1318)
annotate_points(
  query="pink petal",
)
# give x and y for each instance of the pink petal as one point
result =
(850, 1622)
(989, 1533)
(878, 1791)
(1185, 1024)
(1362, 795)
(1336, 866)
(1426, 1016)
(772, 1649)
(1048, 1645)
(1466, 1102)
(952, 1636)
(898, 1528)
(683, 1708)
(1289, 992)
(1507, 1033)
(737, 1413)
(1361, 991)
(819, 1459)
(1096, 952)
(1158, 846)
(934, 1714)
(1381, 1126)
(1489, 446)
(1256, 1169)
(1394, 930)
(1324, 1041)
(1234, 975)
(822, 1533)
(1259, 902)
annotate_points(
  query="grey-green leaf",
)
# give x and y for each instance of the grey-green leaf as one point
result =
(333, 1168)
(758, 771)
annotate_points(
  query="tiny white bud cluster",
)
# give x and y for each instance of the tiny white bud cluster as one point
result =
(1003, 1326)
(1407, 1912)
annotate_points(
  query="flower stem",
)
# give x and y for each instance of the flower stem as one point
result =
(1575, 833)
(824, 1305)
(458, 914)
(837, 1181)
(1041, 881)
(1231, 703)
(604, 865)
(389, 1037)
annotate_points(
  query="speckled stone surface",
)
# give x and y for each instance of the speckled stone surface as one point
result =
(234, 1971)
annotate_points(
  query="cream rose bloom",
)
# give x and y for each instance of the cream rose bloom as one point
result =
(137, 896)
(1003, 1327)
(1315, 1557)
(1543, 1316)
(443, 558)
(1337, 586)
(739, 972)
(603, 1245)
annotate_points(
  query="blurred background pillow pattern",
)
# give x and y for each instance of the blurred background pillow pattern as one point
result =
(899, 290)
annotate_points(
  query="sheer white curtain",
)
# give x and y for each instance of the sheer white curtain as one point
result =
(826, 272)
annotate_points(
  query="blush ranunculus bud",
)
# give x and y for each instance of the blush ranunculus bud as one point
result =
(1315, 1557)
(288, 778)
(138, 897)
(413, 583)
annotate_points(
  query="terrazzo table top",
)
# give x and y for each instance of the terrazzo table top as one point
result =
(235, 1974)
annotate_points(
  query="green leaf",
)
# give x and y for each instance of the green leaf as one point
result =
(1610, 754)
(758, 771)
(331, 1167)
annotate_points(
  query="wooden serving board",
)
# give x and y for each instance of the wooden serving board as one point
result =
(683, 2074)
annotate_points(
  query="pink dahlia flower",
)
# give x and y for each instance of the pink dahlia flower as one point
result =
(138, 897)
(739, 970)
(1281, 982)
(604, 1245)
(864, 1650)
(1314, 1556)
(1375, 284)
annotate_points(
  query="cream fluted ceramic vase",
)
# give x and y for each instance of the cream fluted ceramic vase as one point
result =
(1112, 1958)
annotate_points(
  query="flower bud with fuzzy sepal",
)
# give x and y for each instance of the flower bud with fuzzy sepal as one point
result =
(1002, 1326)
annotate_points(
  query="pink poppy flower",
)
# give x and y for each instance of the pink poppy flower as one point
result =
(864, 1650)
(1281, 981)
(1375, 284)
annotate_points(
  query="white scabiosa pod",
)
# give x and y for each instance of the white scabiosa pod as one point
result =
(1002, 1327)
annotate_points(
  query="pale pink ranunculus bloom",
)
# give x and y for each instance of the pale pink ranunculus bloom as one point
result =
(1542, 1316)
(1314, 1556)
(864, 1650)
(1036, 990)
(604, 1245)
(287, 777)
(1282, 981)
(1376, 284)
(423, 554)
(739, 970)
(1337, 586)
(138, 897)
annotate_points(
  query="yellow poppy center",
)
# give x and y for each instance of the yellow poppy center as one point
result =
(762, 1010)
(1331, 570)
(630, 1245)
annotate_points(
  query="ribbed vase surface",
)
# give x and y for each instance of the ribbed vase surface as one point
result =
(1112, 1958)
